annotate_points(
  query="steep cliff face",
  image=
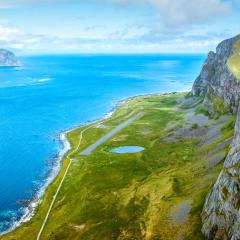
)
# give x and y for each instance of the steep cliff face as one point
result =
(221, 212)
(216, 79)
(7, 58)
(221, 215)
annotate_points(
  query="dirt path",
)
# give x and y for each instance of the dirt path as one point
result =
(61, 183)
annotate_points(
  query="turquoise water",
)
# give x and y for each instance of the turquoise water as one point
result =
(127, 149)
(50, 94)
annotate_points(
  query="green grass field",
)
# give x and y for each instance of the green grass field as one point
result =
(234, 60)
(110, 196)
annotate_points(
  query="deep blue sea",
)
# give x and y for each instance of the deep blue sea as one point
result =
(49, 94)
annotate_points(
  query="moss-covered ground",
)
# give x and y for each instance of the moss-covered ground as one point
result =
(234, 60)
(110, 196)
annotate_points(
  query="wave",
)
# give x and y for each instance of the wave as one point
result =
(41, 80)
(26, 82)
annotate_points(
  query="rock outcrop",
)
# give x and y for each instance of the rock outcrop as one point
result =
(8, 59)
(221, 212)
(216, 78)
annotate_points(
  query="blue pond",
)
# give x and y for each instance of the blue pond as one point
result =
(127, 149)
(50, 94)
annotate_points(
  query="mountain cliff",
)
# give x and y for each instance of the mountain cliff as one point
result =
(219, 85)
(7, 58)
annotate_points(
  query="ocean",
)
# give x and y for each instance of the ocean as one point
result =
(50, 94)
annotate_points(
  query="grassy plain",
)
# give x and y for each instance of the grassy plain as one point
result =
(155, 194)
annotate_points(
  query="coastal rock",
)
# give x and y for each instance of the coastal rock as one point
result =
(221, 212)
(8, 59)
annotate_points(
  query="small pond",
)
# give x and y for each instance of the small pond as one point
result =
(127, 149)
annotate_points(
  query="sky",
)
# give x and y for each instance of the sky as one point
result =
(116, 26)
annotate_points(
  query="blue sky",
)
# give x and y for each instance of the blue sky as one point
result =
(116, 26)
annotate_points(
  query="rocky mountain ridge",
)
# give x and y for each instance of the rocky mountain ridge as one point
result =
(218, 86)
(8, 59)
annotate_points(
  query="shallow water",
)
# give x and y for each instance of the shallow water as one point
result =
(127, 149)
(50, 94)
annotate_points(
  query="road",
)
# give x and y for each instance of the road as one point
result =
(87, 151)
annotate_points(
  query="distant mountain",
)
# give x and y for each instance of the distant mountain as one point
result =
(8, 58)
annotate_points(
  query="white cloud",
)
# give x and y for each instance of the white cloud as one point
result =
(128, 32)
(8, 33)
(18, 46)
(187, 12)
(131, 38)
(32, 40)
(175, 13)
(168, 31)
(14, 38)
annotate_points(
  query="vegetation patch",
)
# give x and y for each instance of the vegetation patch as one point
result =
(234, 60)
(202, 110)
(214, 107)
(188, 95)
(229, 125)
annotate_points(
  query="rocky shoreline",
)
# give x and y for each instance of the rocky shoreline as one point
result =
(31, 205)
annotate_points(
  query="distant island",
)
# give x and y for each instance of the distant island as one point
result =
(8, 59)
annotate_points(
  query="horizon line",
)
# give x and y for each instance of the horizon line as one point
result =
(111, 53)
